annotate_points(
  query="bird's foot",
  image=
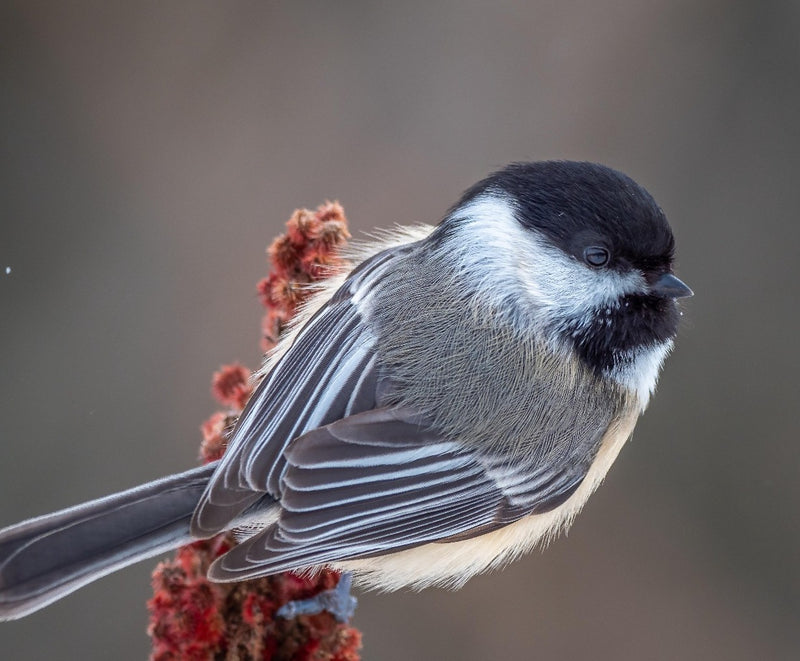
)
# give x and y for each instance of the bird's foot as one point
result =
(338, 602)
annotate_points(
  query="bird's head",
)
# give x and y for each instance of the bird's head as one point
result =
(581, 255)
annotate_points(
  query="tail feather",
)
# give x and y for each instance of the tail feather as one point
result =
(46, 558)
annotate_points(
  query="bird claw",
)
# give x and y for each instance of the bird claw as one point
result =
(337, 601)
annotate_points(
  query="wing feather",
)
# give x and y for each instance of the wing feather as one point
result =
(382, 481)
(329, 372)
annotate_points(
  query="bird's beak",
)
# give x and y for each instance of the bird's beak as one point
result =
(668, 286)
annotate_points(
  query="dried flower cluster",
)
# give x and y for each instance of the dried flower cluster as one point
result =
(305, 254)
(192, 618)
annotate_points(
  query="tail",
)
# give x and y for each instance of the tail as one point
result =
(46, 558)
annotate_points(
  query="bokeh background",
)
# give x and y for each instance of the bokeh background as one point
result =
(150, 151)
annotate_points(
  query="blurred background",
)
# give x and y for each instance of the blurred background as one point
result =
(150, 151)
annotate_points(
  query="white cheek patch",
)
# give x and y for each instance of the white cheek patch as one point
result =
(512, 263)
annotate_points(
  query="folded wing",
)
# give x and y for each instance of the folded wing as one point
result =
(329, 372)
(382, 481)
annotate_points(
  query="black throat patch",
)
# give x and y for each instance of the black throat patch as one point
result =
(614, 334)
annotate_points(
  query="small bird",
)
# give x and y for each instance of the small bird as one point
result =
(436, 412)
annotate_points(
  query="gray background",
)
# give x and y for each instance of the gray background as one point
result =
(151, 151)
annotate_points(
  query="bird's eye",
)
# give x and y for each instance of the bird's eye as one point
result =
(596, 256)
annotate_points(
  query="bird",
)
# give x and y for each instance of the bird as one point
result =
(438, 410)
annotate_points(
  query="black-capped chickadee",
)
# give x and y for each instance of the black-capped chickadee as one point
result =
(436, 412)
